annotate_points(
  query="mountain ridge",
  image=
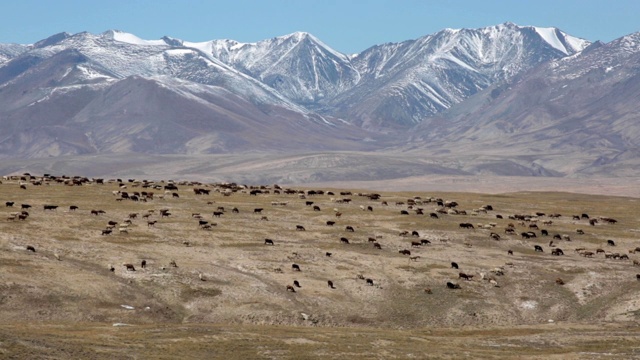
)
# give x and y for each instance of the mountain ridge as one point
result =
(441, 94)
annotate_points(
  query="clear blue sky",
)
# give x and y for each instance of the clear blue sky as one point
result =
(348, 26)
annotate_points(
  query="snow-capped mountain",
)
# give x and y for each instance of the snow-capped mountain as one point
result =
(114, 92)
(407, 82)
(299, 66)
(455, 90)
(577, 114)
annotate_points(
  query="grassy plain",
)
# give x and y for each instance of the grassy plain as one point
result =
(67, 308)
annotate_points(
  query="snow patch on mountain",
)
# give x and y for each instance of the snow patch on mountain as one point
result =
(124, 37)
(551, 37)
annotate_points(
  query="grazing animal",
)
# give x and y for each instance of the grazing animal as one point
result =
(544, 232)
(451, 285)
(416, 244)
(300, 228)
(510, 252)
(31, 248)
(173, 263)
(268, 242)
(467, 226)
(344, 240)
(404, 212)
(296, 283)
(257, 210)
(559, 281)
(425, 242)
(465, 276)
(129, 267)
(330, 283)
(557, 252)
(538, 248)
(330, 223)
(377, 246)
(338, 214)
(295, 267)
(25, 206)
(327, 254)
(316, 208)
(217, 213)
(454, 265)
(73, 208)
(404, 252)
(611, 243)
(235, 210)
(349, 228)
(290, 288)
(151, 223)
(433, 215)
(9, 204)
(106, 232)
(414, 258)
(369, 281)
(50, 207)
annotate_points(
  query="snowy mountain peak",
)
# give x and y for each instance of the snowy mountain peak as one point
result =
(298, 36)
(561, 41)
(51, 40)
(128, 38)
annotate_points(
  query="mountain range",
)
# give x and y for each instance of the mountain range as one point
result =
(505, 99)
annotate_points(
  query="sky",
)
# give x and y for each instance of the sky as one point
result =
(348, 26)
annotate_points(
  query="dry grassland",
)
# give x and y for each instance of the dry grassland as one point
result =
(66, 308)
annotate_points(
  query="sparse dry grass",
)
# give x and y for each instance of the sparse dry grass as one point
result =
(66, 308)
